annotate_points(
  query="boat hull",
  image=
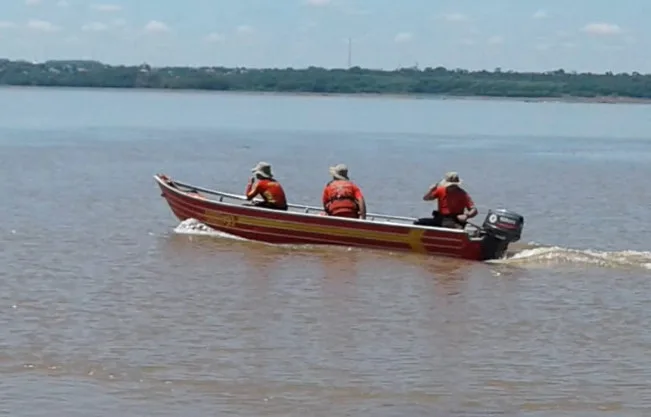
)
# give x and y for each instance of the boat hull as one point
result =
(292, 227)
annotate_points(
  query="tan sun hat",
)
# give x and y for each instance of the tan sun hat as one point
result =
(339, 171)
(262, 169)
(450, 178)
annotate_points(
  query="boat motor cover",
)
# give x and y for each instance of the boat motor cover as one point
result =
(504, 224)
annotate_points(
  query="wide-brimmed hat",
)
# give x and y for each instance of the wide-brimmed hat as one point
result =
(339, 171)
(262, 169)
(450, 178)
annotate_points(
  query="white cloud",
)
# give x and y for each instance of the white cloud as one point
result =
(107, 8)
(42, 26)
(154, 26)
(95, 27)
(403, 37)
(215, 37)
(244, 30)
(318, 3)
(7, 25)
(456, 17)
(63, 3)
(32, 2)
(606, 29)
(495, 40)
(541, 14)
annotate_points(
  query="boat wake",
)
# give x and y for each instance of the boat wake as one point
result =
(194, 227)
(520, 255)
(555, 255)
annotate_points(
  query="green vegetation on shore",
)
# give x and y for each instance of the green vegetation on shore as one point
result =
(428, 81)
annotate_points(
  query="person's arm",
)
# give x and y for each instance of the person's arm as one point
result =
(325, 199)
(470, 210)
(362, 208)
(431, 193)
(251, 189)
(361, 202)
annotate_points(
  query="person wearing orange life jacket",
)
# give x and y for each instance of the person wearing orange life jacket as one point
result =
(455, 204)
(264, 184)
(341, 197)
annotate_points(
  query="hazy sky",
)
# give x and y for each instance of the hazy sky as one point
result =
(581, 35)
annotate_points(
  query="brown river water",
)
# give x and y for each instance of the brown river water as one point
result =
(110, 307)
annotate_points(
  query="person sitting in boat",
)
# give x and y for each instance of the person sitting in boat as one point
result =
(342, 197)
(265, 185)
(455, 206)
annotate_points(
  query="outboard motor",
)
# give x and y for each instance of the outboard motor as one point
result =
(501, 227)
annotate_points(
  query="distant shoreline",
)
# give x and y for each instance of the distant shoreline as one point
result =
(407, 96)
(405, 83)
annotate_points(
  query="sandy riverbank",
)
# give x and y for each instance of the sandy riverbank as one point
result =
(564, 99)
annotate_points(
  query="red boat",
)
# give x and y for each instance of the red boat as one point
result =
(308, 225)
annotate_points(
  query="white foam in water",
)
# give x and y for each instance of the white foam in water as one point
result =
(556, 254)
(195, 228)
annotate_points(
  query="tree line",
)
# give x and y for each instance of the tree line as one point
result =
(355, 80)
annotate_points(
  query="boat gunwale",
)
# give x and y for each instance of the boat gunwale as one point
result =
(306, 214)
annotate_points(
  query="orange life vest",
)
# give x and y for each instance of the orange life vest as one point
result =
(271, 192)
(340, 198)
